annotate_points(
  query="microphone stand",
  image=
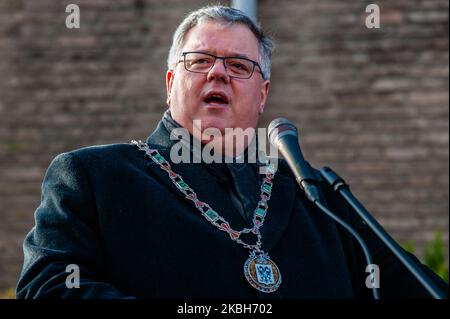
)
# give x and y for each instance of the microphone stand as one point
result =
(343, 189)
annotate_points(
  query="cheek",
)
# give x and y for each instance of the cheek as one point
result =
(180, 91)
(190, 91)
(246, 112)
(249, 100)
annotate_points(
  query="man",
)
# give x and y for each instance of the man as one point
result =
(139, 225)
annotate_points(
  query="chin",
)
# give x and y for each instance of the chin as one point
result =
(214, 122)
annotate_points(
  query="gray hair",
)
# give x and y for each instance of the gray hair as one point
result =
(225, 15)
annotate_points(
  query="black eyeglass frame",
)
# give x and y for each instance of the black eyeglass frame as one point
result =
(223, 58)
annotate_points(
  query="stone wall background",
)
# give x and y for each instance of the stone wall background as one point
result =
(371, 103)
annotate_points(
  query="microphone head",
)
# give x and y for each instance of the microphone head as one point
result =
(279, 127)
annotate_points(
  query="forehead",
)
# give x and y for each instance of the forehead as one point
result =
(222, 39)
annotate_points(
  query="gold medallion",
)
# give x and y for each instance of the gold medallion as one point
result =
(262, 273)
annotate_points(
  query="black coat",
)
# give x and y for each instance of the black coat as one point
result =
(118, 216)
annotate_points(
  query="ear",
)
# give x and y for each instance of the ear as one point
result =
(169, 81)
(264, 93)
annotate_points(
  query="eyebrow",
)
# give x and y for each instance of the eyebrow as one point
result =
(240, 55)
(230, 54)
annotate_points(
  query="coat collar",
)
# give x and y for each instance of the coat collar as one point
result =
(281, 203)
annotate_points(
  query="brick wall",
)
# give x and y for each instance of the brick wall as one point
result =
(371, 103)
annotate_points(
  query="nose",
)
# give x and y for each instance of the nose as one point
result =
(218, 72)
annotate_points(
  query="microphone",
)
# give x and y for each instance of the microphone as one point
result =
(284, 136)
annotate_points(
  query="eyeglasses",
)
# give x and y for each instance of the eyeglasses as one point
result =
(236, 67)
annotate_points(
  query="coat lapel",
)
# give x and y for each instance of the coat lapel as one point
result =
(281, 206)
(196, 176)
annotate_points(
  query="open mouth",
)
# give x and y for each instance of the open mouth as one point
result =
(216, 98)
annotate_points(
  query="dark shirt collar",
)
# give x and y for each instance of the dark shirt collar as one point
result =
(241, 179)
(170, 125)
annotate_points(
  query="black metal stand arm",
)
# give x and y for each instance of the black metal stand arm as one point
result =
(343, 189)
